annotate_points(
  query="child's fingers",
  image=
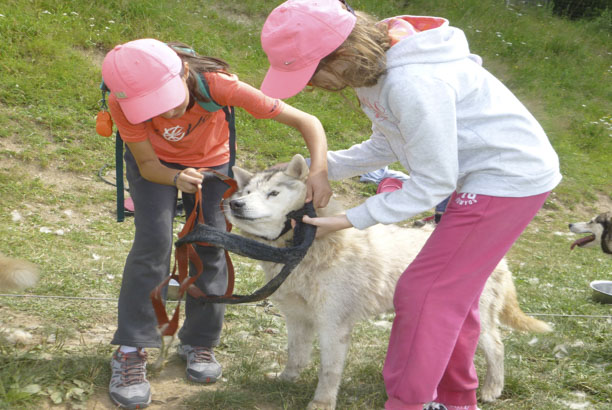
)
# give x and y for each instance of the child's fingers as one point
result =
(309, 193)
(309, 220)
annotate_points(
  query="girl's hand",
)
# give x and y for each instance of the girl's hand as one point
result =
(328, 224)
(189, 180)
(318, 189)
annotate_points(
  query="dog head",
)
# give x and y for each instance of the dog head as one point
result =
(599, 230)
(263, 199)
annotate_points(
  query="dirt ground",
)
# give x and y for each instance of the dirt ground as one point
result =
(169, 385)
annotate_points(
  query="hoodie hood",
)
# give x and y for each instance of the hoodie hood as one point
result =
(434, 42)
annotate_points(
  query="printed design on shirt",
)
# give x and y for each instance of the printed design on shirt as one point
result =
(466, 199)
(177, 133)
(379, 110)
(174, 134)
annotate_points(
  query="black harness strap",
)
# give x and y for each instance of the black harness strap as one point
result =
(303, 236)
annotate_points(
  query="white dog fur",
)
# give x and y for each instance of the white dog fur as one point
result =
(348, 276)
(17, 274)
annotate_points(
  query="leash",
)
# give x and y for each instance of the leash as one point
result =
(605, 236)
(195, 231)
(183, 256)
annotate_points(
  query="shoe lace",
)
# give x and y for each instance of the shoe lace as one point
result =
(202, 354)
(133, 368)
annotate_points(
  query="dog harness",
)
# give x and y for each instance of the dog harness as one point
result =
(195, 231)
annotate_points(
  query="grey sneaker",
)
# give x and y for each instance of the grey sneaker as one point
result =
(202, 367)
(129, 387)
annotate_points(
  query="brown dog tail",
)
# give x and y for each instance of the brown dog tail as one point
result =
(17, 274)
(513, 316)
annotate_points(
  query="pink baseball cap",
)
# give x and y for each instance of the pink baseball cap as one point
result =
(296, 36)
(145, 77)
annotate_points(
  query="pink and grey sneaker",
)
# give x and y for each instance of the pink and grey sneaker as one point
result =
(202, 367)
(129, 387)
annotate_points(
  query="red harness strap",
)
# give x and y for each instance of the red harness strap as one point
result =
(186, 253)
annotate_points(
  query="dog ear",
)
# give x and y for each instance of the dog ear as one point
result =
(297, 168)
(241, 176)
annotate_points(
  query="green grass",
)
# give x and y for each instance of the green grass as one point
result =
(57, 213)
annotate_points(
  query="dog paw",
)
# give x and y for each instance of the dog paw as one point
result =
(317, 405)
(285, 377)
(488, 394)
(288, 377)
(272, 376)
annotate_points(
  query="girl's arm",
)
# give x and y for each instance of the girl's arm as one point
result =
(369, 155)
(151, 169)
(328, 224)
(318, 188)
(228, 90)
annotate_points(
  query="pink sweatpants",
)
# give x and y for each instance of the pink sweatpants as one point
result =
(436, 328)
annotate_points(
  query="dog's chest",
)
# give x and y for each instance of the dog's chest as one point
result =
(300, 283)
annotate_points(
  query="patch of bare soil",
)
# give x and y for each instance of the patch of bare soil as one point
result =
(602, 204)
(169, 387)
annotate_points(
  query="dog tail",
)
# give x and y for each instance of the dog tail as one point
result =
(17, 274)
(512, 315)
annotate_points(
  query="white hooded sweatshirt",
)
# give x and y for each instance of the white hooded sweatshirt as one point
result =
(451, 124)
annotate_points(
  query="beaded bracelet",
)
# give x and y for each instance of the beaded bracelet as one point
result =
(176, 177)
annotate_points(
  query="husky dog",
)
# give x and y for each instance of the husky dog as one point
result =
(350, 275)
(17, 274)
(600, 230)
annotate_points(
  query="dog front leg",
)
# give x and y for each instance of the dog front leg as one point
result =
(492, 346)
(300, 335)
(334, 343)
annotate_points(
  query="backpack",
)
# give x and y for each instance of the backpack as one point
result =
(104, 127)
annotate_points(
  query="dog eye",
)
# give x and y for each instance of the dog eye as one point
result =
(272, 193)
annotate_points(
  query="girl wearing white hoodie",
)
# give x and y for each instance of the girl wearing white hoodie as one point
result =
(458, 131)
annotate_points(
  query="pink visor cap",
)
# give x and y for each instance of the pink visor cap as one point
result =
(145, 77)
(296, 36)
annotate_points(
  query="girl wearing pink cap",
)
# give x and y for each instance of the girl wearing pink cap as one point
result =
(458, 131)
(162, 115)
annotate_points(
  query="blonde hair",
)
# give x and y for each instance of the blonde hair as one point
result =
(365, 50)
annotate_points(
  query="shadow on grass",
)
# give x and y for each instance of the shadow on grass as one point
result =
(248, 388)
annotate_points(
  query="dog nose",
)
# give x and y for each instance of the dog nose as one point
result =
(236, 204)
(569, 226)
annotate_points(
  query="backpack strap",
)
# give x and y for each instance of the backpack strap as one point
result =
(210, 105)
(119, 177)
(230, 117)
(118, 155)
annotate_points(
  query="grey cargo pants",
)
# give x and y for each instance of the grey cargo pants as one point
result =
(148, 262)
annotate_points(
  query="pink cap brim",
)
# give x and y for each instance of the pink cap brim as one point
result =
(285, 84)
(168, 96)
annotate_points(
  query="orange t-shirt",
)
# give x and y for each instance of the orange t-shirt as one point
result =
(198, 138)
